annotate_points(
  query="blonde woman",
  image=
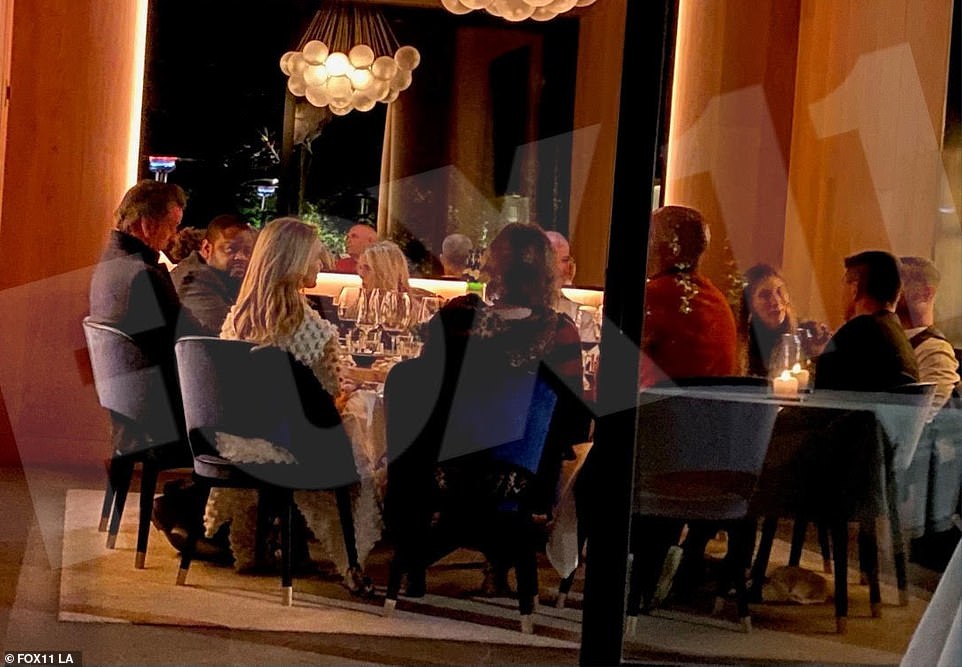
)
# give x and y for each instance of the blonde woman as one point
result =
(271, 309)
(383, 266)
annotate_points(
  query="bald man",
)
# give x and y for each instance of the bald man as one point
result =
(565, 270)
(358, 238)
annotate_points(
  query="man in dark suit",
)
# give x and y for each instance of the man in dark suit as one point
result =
(132, 291)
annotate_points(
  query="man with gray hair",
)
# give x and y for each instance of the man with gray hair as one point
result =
(455, 253)
(930, 485)
(916, 311)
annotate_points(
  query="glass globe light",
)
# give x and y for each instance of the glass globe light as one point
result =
(315, 75)
(364, 103)
(542, 14)
(401, 80)
(339, 87)
(514, 10)
(407, 58)
(337, 64)
(340, 110)
(585, 3)
(539, 3)
(296, 85)
(561, 6)
(384, 67)
(476, 4)
(361, 55)
(317, 95)
(393, 95)
(297, 64)
(315, 52)
(379, 88)
(455, 7)
(361, 79)
(286, 62)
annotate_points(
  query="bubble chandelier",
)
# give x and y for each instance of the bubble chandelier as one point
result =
(349, 59)
(516, 10)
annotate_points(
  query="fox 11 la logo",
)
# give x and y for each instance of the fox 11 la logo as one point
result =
(42, 658)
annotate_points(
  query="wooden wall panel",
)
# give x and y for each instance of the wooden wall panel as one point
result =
(600, 46)
(865, 162)
(730, 126)
(72, 69)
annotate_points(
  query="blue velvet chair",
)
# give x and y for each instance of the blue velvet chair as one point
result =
(144, 404)
(487, 434)
(701, 449)
(237, 388)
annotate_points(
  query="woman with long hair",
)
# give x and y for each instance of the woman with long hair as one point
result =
(382, 265)
(272, 309)
(766, 313)
(518, 329)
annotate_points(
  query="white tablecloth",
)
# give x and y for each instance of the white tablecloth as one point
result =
(937, 641)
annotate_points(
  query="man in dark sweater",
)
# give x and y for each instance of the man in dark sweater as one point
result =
(870, 352)
(132, 291)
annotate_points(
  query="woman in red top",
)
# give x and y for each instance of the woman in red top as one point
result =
(689, 328)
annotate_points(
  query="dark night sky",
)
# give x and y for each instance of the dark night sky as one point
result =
(214, 85)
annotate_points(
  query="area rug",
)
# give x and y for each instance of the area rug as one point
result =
(101, 586)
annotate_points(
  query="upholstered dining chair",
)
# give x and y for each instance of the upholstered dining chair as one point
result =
(235, 388)
(842, 467)
(144, 404)
(494, 425)
(701, 447)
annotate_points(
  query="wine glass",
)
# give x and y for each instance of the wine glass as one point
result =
(368, 313)
(395, 313)
(347, 304)
(427, 308)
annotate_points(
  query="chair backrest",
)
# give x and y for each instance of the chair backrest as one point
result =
(502, 410)
(710, 426)
(133, 386)
(236, 388)
(904, 418)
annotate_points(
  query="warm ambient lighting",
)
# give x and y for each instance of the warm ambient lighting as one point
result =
(349, 59)
(138, 61)
(516, 10)
(330, 284)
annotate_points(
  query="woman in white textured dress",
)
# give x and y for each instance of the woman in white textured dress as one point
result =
(271, 309)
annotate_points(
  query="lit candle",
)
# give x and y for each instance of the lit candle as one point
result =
(801, 375)
(785, 384)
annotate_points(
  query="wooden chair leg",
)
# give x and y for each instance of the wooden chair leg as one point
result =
(741, 539)
(839, 531)
(108, 500)
(287, 571)
(148, 487)
(342, 496)
(121, 472)
(825, 545)
(868, 563)
(798, 541)
(760, 567)
(193, 534)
